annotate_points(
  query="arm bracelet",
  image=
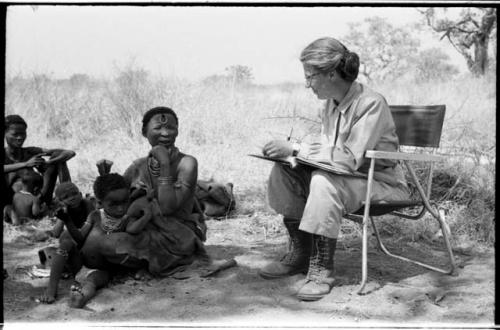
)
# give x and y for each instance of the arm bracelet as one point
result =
(166, 180)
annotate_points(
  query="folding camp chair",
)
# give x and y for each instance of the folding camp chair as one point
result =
(416, 126)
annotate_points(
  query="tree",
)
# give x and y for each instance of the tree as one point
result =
(470, 33)
(431, 64)
(385, 51)
(239, 74)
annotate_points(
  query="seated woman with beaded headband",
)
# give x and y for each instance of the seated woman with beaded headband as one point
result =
(168, 178)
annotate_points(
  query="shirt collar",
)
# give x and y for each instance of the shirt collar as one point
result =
(352, 93)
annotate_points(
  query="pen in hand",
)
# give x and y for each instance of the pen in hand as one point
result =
(290, 135)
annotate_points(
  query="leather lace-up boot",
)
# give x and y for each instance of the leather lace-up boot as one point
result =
(296, 260)
(319, 279)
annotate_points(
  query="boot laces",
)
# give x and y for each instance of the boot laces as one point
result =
(319, 262)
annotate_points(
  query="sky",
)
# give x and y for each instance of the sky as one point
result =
(186, 42)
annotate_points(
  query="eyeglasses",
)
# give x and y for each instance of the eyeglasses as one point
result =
(310, 77)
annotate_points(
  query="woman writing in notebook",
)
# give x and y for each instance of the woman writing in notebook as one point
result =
(355, 119)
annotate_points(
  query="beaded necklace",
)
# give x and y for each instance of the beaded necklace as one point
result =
(110, 224)
(154, 167)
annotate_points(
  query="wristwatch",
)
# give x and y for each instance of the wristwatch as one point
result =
(296, 149)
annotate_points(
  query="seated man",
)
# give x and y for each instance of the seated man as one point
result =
(26, 203)
(19, 159)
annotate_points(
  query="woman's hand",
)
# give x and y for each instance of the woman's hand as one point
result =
(139, 214)
(139, 208)
(161, 154)
(147, 210)
(278, 149)
(35, 161)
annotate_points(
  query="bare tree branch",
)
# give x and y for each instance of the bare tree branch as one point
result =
(294, 117)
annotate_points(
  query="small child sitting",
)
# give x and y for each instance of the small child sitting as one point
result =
(72, 203)
(26, 203)
(112, 192)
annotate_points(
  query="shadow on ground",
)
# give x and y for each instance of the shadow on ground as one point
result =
(239, 294)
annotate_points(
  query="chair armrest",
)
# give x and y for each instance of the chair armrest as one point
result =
(403, 156)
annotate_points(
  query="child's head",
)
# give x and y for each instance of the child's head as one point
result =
(32, 182)
(112, 192)
(15, 131)
(68, 194)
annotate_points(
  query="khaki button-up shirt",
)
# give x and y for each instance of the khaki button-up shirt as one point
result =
(365, 124)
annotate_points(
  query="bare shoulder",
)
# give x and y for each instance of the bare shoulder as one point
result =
(188, 162)
(138, 163)
(133, 170)
(187, 170)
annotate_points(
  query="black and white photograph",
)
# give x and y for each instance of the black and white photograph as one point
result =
(262, 165)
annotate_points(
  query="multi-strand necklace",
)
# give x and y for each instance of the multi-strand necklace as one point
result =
(110, 224)
(154, 167)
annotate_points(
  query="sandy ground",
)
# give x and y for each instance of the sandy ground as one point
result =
(400, 293)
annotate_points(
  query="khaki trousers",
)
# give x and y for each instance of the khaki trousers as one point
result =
(320, 199)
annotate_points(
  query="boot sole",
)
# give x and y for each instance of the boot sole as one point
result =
(269, 276)
(310, 297)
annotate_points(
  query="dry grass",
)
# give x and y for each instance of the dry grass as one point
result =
(221, 123)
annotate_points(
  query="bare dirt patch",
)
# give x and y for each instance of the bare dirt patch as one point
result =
(400, 293)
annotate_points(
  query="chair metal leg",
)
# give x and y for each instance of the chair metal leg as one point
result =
(452, 269)
(364, 258)
(447, 238)
(366, 215)
(442, 224)
(439, 216)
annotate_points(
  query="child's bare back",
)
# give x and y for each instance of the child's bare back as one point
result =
(26, 203)
(23, 204)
